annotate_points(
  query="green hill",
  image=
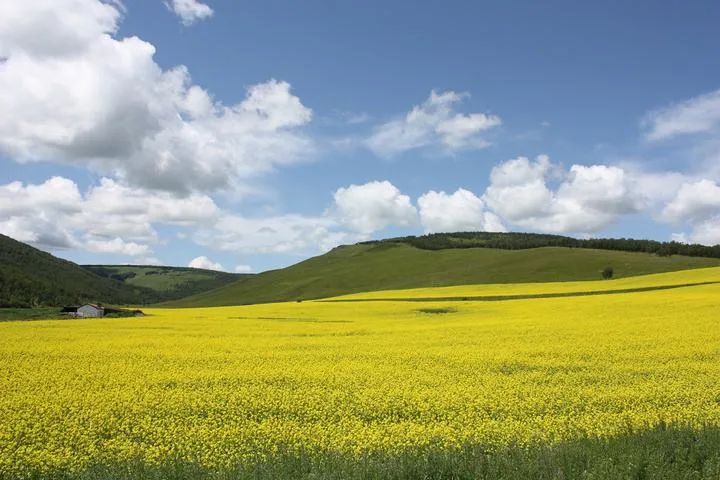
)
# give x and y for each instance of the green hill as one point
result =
(168, 283)
(30, 277)
(396, 264)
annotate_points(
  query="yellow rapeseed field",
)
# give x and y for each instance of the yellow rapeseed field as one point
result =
(219, 386)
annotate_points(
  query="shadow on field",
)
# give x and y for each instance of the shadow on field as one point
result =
(667, 453)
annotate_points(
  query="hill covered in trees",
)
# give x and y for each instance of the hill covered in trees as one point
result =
(520, 241)
(30, 277)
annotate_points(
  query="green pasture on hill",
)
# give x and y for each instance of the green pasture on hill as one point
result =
(385, 266)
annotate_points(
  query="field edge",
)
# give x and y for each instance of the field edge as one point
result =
(661, 452)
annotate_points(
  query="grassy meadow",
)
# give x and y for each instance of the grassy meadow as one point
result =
(169, 283)
(388, 266)
(596, 387)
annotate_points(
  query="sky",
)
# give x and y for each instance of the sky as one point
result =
(250, 135)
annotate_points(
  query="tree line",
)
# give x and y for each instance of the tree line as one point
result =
(520, 241)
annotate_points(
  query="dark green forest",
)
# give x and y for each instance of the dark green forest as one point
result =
(30, 278)
(520, 241)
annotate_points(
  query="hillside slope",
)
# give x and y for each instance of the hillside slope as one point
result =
(389, 265)
(31, 277)
(169, 283)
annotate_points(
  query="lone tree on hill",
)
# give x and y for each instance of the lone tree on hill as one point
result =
(607, 273)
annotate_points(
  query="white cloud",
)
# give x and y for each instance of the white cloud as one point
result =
(46, 28)
(38, 231)
(461, 211)
(108, 218)
(694, 202)
(290, 234)
(697, 205)
(102, 102)
(114, 218)
(57, 195)
(587, 199)
(205, 263)
(697, 115)
(35, 213)
(189, 11)
(243, 269)
(373, 206)
(117, 245)
(517, 189)
(434, 123)
(706, 232)
(133, 210)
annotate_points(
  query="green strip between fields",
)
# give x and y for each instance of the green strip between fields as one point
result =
(501, 298)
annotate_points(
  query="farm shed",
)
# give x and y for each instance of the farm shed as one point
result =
(98, 310)
(90, 310)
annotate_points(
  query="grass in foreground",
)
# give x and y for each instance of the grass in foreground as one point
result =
(542, 388)
(662, 453)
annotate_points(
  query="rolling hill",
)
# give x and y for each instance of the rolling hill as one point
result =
(168, 283)
(397, 264)
(30, 277)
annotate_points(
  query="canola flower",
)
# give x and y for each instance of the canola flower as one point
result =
(221, 386)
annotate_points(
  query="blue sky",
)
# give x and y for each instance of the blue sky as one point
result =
(292, 127)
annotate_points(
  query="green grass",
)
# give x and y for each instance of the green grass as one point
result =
(42, 313)
(388, 266)
(662, 453)
(32, 278)
(168, 282)
(527, 296)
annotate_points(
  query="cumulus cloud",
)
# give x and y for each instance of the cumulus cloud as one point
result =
(697, 115)
(460, 211)
(289, 234)
(102, 102)
(373, 206)
(54, 28)
(205, 263)
(117, 245)
(697, 205)
(243, 269)
(108, 218)
(189, 11)
(35, 213)
(587, 199)
(694, 202)
(706, 232)
(434, 123)
(114, 218)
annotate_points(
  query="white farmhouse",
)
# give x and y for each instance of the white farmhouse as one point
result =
(90, 310)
